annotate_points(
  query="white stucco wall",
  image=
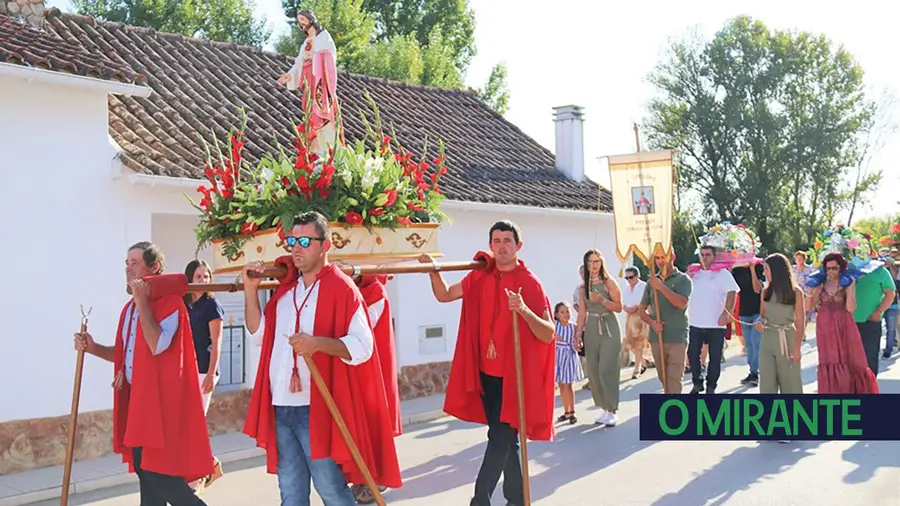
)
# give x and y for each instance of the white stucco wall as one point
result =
(553, 246)
(65, 225)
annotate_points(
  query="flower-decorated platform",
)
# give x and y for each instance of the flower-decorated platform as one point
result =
(383, 203)
(856, 248)
(736, 246)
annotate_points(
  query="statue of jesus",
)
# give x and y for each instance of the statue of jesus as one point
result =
(314, 73)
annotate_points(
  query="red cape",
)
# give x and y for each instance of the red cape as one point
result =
(358, 391)
(372, 290)
(166, 417)
(463, 399)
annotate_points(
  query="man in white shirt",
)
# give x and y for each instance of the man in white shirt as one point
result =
(317, 311)
(636, 331)
(714, 292)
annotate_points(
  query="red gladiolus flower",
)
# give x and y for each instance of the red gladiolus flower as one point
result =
(414, 206)
(353, 218)
(387, 140)
(285, 182)
(226, 193)
(249, 228)
(391, 197)
(895, 228)
(404, 220)
(378, 211)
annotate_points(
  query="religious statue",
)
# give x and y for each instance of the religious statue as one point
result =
(314, 74)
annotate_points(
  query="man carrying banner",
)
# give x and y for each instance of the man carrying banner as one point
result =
(674, 289)
(482, 386)
(317, 311)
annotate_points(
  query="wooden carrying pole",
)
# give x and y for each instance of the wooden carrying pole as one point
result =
(520, 392)
(342, 427)
(398, 268)
(662, 350)
(73, 416)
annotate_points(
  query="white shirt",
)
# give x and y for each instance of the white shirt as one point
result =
(711, 288)
(631, 297)
(359, 341)
(168, 326)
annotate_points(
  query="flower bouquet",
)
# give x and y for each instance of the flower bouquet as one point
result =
(854, 246)
(736, 245)
(892, 239)
(383, 203)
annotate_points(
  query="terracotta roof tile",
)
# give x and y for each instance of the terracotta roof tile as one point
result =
(22, 44)
(199, 88)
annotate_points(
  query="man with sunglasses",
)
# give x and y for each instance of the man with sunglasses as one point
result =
(317, 312)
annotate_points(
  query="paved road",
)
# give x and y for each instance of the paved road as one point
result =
(594, 466)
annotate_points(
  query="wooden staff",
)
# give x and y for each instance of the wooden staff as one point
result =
(342, 427)
(662, 351)
(353, 270)
(520, 392)
(73, 415)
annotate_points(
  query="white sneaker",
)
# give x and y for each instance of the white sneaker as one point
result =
(608, 419)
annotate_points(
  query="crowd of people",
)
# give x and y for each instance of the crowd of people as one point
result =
(322, 326)
(767, 304)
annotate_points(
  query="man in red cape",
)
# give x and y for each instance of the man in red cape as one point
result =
(482, 385)
(372, 289)
(316, 311)
(158, 422)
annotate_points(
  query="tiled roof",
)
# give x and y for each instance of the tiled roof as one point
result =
(200, 86)
(21, 44)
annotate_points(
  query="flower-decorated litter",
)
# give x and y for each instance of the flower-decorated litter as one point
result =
(735, 245)
(375, 182)
(856, 247)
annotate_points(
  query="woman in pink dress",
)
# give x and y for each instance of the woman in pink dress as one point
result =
(842, 361)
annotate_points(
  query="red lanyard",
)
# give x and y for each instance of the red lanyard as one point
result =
(299, 308)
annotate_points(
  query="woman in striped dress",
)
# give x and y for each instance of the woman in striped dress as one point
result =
(568, 367)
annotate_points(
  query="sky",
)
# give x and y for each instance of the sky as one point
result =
(597, 55)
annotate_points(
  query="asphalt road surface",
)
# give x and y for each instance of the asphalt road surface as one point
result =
(592, 465)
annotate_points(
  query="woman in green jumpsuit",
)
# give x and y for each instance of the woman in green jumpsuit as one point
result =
(600, 300)
(782, 323)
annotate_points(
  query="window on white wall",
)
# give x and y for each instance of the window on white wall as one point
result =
(231, 361)
(432, 340)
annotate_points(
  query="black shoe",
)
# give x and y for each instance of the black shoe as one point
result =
(754, 381)
(746, 380)
(885, 356)
(710, 391)
(697, 389)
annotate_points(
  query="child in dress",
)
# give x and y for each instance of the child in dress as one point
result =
(568, 367)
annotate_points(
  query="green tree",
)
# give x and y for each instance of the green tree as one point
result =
(428, 42)
(218, 20)
(768, 125)
(495, 92)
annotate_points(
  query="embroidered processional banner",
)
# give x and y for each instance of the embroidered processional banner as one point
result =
(642, 186)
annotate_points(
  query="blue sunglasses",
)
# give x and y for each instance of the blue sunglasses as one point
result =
(302, 241)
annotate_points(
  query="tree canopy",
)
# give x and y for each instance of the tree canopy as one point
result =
(774, 129)
(430, 42)
(218, 20)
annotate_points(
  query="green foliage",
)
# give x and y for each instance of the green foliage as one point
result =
(770, 127)
(495, 93)
(218, 20)
(430, 42)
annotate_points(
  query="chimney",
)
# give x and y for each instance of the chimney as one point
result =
(569, 121)
(30, 12)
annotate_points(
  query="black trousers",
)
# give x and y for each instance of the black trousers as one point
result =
(715, 339)
(870, 333)
(502, 453)
(162, 489)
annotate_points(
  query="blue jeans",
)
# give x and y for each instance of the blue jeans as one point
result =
(752, 338)
(295, 468)
(890, 331)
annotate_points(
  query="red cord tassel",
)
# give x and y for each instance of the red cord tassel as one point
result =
(296, 386)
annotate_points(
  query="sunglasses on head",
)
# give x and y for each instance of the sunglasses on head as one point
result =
(302, 241)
